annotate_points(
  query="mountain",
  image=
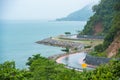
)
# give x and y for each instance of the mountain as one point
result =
(80, 15)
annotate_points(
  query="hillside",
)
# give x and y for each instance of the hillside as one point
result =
(113, 49)
(80, 15)
(112, 40)
(102, 19)
(111, 44)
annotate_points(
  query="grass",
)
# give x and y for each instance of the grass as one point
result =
(102, 54)
(86, 42)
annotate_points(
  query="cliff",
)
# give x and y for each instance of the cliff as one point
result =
(114, 47)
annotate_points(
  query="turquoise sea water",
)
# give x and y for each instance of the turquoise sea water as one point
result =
(17, 39)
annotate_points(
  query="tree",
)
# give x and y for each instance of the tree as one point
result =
(67, 33)
(9, 72)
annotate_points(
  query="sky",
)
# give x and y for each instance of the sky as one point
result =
(39, 9)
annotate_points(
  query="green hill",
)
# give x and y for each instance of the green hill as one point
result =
(112, 40)
(101, 21)
(106, 21)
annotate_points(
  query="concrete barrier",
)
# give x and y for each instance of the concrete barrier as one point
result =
(96, 60)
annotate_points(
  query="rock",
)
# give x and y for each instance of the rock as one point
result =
(53, 42)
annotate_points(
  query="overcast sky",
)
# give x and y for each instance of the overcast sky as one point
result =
(39, 9)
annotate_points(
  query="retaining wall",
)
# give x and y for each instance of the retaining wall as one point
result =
(96, 60)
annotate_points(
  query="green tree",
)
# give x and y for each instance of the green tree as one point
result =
(9, 72)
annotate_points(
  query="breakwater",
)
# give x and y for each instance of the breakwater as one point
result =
(60, 43)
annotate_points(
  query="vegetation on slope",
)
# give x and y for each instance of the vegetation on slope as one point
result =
(107, 13)
(113, 37)
(101, 20)
(41, 68)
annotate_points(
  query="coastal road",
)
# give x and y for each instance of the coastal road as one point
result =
(73, 60)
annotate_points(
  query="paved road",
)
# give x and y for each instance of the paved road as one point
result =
(74, 60)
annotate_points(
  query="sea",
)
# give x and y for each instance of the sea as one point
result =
(17, 38)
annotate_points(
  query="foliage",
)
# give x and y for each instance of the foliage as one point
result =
(41, 68)
(99, 48)
(107, 12)
(67, 50)
(9, 72)
(30, 60)
(67, 33)
(44, 69)
(88, 46)
(98, 54)
(107, 71)
(115, 28)
(118, 54)
(113, 31)
(103, 13)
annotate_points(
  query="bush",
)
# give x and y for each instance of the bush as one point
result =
(89, 46)
(99, 48)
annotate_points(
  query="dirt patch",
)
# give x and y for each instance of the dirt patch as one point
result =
(114, 47)
(98, 28)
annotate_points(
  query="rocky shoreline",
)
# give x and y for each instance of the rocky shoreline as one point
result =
(60, 43)
(72, 45)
